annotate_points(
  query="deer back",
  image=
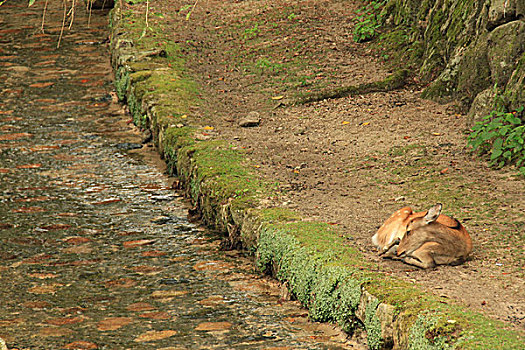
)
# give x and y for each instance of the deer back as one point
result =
(452, 237)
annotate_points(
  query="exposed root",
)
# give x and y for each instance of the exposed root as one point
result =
(395, 81)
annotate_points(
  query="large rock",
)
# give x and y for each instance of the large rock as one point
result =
(501, 11)
(506, 44)
(474, 73)
(378, 319)
(515, 89)
(483, 104)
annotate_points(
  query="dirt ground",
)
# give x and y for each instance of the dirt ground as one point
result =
(351, 161)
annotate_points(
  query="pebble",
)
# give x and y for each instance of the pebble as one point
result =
(253, 119)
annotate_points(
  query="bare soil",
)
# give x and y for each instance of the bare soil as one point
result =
(351, 161)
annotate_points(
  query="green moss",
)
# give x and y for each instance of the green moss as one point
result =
(373, 326)
(335, 297)
(421, 339)
(321, 274)
(140, 76)
(279, 215)
(121, 82)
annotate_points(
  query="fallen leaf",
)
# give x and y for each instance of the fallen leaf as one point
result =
(53, 227)
(208, 128)
(280, 97)
(213, 326)
(62, 321)
(147, 269)
(41, 85)
(107, 201)
(156, 315)
(365, 123)
(16, 136)
(43, 276)
(43, 148)
(45, 63)
(444, 171)
(212, 266)
(47, 289)
(138, 243)
(345, 122)
(28, 210)
(113, 323)
(78, 249)
(76, 240)
(29, 166)
(33, 199)
(121, 283)
(11, 321)
(212, 300)
(37, 304)
(155, 335)
(81, 345)
(37, 259)
(153, 253)
(54, 332)
(168, 293)
(141, 306)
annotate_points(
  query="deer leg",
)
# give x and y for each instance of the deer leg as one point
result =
(390, 250)
(422, 257)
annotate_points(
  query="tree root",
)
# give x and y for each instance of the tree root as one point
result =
(393, 82)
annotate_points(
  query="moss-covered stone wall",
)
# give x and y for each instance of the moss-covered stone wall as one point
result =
(463, 48)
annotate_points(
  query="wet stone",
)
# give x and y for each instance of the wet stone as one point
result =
(96, 250)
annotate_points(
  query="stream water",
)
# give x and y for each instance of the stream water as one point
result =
(96, 251)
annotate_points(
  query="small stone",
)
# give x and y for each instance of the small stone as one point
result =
(251, 120)
(127, 146)
(146, 136)
(161, 220)
(3, 346)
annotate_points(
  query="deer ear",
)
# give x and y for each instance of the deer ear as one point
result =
(433, 213)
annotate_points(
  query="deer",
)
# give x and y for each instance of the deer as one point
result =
(423, 239)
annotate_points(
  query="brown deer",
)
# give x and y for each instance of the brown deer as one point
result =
(423, 239)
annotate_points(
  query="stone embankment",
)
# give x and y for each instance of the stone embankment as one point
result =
(472, 51)
(312, 259)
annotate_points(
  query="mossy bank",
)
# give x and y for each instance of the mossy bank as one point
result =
(314, 260)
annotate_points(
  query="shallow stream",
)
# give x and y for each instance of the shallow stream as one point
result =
(96, 251)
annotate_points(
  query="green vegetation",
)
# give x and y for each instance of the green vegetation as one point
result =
(368, 21)
(251, 33)
(502, 135)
